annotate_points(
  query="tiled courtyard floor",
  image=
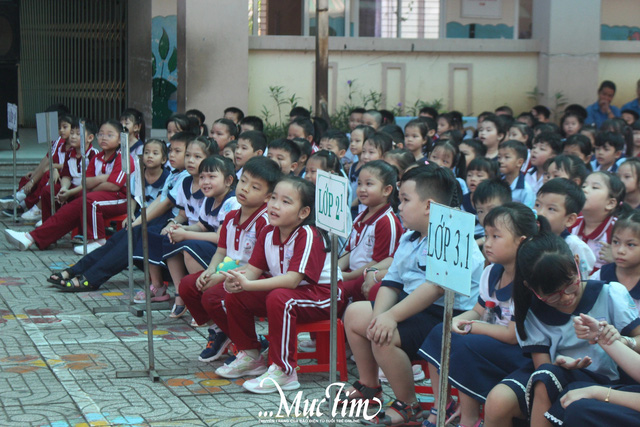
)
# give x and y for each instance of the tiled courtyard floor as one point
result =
(58, 360)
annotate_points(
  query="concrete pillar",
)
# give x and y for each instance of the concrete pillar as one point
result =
(216, 59)
(569, 34)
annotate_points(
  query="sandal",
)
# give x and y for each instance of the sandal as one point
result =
(178, 311)
(157, 295)
(450, 413)
(83, 285)
(411, 415)
(60, 280)
(362, 392)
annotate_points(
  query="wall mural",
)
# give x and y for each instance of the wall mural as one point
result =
(619, 32)
(456, 30)
(165, 68)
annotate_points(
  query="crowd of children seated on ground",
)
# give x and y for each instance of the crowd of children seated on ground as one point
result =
(556, 264)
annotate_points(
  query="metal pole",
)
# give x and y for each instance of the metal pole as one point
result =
(83, 159)
(333, 332)
(147, 288)
(51, 191)
(322, 59)
(126, 161)
(14, 142)
(444, 356)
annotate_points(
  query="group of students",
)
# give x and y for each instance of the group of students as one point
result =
(559, 268)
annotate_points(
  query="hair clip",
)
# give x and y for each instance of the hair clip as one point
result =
(426, 162)
(621, 202)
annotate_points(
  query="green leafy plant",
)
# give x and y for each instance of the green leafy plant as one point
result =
(284, 104)
(559, 101)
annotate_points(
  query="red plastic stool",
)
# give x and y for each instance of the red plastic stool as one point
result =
(321, 354)
(118, 219)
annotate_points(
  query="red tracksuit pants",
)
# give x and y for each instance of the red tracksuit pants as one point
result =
(100, 205)
(284, 309)
(207, 305)
(34, 196)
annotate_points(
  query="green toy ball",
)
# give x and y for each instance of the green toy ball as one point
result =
(227, 264)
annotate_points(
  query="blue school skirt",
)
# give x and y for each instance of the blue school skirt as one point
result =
(477, 362)
(202, 251)
(592, 412)
(554, 378)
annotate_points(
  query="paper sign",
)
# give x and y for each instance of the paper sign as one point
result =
(12, 116)
(450, 248)
(136, 190)
(332, 212)
(47, 132)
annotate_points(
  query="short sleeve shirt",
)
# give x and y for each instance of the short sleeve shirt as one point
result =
(601, 234)
(375, 239)
(240, 239)
(501, 297)
(212, 218)
(188, 201)
(73, 166)
(608, 274)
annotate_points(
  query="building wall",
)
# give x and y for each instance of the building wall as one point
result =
(622, 69)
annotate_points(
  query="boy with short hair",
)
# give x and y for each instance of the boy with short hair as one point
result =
(302, 128)
(203, 292)
(609, 148)
(511, 156)
(250, 144)
(251, 123)
(560, 202)
(545, 146)
(355, 118)
(285, 153)
(489, 194)
(234, 114)
(336, 142)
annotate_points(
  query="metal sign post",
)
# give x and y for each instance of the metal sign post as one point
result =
(84, 188)
(151, 372)
(332, 215)
(47, 125)
(12, 123)
(449, 265)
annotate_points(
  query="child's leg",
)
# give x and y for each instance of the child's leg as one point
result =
(191, 264)
(396, 366)
(501, 407)
(469, 410)
(242, 308)
(155, 275)
(58, 225)
(214, 302)
(356, 322)
(101, 205)
(541, 404)
(177, 271)
(435, 385)
(193, 298)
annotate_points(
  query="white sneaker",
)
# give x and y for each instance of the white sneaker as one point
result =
(18, 239)
(34, 214)
(7, 202)
(20, 196)
(307, 346)
(92, 246)
(266, 383)
(39, 224)
(243, 365)
(418, 374)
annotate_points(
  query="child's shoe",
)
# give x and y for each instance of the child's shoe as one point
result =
(307, 346)
(216, 347)
(418, 374)
(266, 383)
(91, 246)
(157, 295)
(21, 241)
(32, 215)
(243, 365)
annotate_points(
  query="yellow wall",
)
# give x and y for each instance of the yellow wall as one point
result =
(623, 71)
(427, 77)
(620, 12)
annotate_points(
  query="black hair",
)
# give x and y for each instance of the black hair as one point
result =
(163, 147)
(530, 119)
(631, 221)
(568, 115)
(430, 111)
(185, 137)
(387, 117)
(542, 110)
(613, 139)
(423, 127)
(208, 145)
(201, 119)
(479, 149)
(619, 126)
(376, 116)
(305, 148)
(300, 112)
(498, 123)
(183, 123)
(264, 169)
(235, 110)
(112, 122)
(552, 139)
(518, 147)
(617, 191)
(232, 145)
(519, 219)
(394, 131)
(306, 125)
(403, 157)
(217, 163)
(607, 84)
(491, 189)
(634, 113)
(525, 130)
(453, 120)
(339, 137)
(546, 264)
(381, 141)
(357, 110)
(576, 109)
(546, 128)
(253, 121)
(583, 142)
(232, 128)
(330, 162)
(504, 109)
(137, 118)
(434, 182)
(256, 138)
(483, 164)
(574, 198)
(288, 146)
(367, 131)
(458, 161)
(320, 126)
(66, 118)
(572, 165)
(634, 163)
(388, 175)
(89, 126)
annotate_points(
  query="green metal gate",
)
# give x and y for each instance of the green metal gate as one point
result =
(73, 52)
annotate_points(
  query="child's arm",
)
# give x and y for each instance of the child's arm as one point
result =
(193, 232)
(343, 263)
(540, 359)
(175, 222)
(627, 399)
(505, 334)
(247, 281)
(209, 278)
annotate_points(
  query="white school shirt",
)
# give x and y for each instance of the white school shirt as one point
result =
(551, 332)
(240, 239)
(151, 191)
(534, 183)
(601, 234)
(580, 248)
(374, 239)
(521, 191)
(189, 202)
(501, 297)
(303, 252)
(73, 166)
(608, 274)
(213, 218)
(170, 188)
